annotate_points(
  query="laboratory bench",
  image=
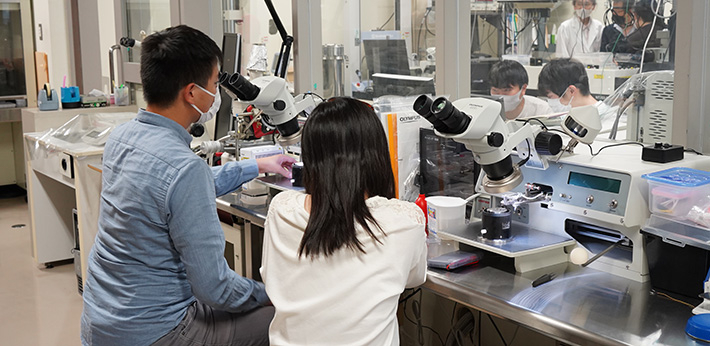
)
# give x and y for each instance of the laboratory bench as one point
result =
(579, 306)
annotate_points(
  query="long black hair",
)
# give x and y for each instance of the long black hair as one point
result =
(345, 159)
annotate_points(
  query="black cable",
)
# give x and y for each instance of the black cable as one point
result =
(527, 24)
(480, 321)
(451, 330)
(525, 121)
(426, 24)
(419, 34)
(487, 39)
(537, 37)
(416, 306)
(388, 20)
(420, 326)
(314, 94)
(497, 330)
(409, 296)
(525, 160)
(515, 334)
(691, 150)
(611, 145)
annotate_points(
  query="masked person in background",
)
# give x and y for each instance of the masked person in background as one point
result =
(509, 80)
(157, 273)
(566, 85)
(581, 33)
(614, 35)
(643, 20)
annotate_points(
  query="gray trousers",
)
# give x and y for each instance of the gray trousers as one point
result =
(206, 326)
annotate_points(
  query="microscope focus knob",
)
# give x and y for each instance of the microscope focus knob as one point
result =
(495, 139)
(279, 105)
(547, 143)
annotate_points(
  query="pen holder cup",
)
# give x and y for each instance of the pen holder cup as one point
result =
(121, 97)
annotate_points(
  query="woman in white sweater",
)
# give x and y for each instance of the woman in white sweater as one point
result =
(336, 258)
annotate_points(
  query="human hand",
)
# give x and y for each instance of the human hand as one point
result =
(280, 164)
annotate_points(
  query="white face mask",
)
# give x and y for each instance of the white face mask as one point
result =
(557, 105)
(512, 102)
(582, 13)
(212, 112)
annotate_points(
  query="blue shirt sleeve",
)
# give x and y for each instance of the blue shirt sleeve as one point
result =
(233, 174)
(198, 237)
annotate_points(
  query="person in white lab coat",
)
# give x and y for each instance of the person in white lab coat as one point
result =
(581, 33)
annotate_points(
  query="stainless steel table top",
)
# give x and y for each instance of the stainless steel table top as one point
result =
(579, 306)
(279, 182)
(525, 240)
(253, 209)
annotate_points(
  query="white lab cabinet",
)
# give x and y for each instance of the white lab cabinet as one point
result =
(62, 176)
(64, 173)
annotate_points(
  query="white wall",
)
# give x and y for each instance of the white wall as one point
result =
(107, 38)
(54, 16)
(255, 28)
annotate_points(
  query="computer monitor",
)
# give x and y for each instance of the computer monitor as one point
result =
(231, 53)
(446, 167)
(386, 56)
(231, 63)
(479, 75)
(401, 85)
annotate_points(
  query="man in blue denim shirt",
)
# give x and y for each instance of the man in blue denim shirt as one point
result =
(157, 273)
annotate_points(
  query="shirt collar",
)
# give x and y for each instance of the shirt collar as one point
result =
(621, 29)
(147, 117)
(581, 23)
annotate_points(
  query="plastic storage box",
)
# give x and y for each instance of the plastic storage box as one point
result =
(673, 192)
(678, 255)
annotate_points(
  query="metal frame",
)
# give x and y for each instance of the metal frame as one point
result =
(453, 46)
(692, 72)
(307, 52)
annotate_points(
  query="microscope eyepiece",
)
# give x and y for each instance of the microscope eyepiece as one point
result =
(444, 110)
(422, 105)
(239, 86)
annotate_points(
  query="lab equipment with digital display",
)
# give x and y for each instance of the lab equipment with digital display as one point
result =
(595, 202)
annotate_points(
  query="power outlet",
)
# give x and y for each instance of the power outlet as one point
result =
(521, 214)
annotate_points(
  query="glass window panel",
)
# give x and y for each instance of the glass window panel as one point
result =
(12, 65)
(144, 17)
(368, 37)
(261, 41)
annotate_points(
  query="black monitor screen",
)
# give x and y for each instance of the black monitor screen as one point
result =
(231, 49)
(446, 167)
(12, 64)
(231, 62)
(386, 56)
(398, 85)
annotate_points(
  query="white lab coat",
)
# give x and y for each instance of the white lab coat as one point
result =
(574, 38)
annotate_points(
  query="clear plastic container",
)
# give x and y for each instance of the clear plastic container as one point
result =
(673, 192)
